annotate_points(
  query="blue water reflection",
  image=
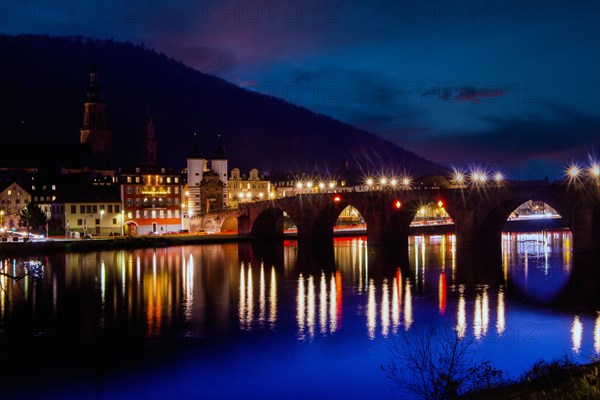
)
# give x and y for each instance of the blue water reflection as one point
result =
(278, 320)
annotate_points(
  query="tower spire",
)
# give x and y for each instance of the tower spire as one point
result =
(219, 150)
(93, 95)
(94, 133)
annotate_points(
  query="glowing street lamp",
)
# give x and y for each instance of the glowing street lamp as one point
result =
(309, 185)
(498, 177)
(321, 185)
(369, 182)
(573, 171)
(394, 182)
(479, 177)
(595, 170)
(406, 181)
(383, 181)
(331, 185)
(299, 185)
(459, 177)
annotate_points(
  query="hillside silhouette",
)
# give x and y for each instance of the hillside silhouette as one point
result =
(43, 82)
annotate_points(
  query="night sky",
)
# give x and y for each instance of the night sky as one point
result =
(513, 84)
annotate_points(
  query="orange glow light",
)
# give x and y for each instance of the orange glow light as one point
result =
(397, 204)
(337, 199)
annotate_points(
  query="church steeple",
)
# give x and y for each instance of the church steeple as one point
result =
(94, 133)
(150, 141)
(94, 95)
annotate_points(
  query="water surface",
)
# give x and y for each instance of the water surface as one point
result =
(278, 320)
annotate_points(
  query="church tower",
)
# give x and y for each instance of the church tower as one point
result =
(150, 141)
(94, 134)
(218, 164)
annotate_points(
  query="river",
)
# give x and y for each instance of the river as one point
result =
(276, 320)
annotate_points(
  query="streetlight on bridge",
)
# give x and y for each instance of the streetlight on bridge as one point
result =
(459, 178)
(573, 171)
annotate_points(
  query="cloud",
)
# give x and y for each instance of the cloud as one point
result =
(458, 94)
(561, 134)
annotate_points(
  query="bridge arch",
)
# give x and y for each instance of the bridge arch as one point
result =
(482, 226)
(209, 225)
(230, 225)
(497, 217)
(269, 221)
(429, 212)
(327, 217)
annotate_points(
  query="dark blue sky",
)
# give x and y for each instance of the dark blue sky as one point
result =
(509, 84)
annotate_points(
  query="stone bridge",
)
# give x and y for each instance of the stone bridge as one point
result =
(479, 212)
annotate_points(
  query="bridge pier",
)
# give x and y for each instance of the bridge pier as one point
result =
(479, 265)
(471, 233)
(585, 228)
(388, 227)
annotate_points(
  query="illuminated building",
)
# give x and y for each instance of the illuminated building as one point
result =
(244, 189)
(95, 211)
(203, 187)
(218, 164)
(151, 197)
(12, 200)
(197, 165)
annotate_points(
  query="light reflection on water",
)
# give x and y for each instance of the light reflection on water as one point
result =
(220, 292)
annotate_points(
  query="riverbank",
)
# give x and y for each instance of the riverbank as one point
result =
(549, 380)
(83, 245)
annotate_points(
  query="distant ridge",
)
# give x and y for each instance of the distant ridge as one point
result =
(43, 81)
